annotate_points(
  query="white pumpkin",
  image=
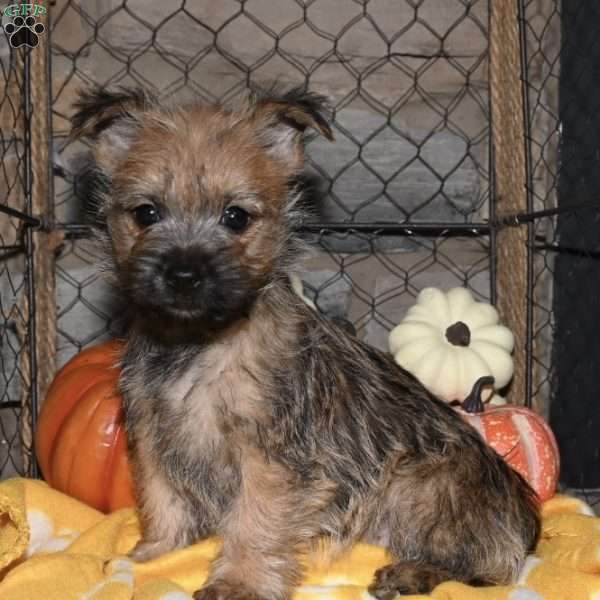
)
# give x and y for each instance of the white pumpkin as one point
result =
(497, 400)
(449, 340)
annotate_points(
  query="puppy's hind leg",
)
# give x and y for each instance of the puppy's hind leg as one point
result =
(464, 516)
(407, 577)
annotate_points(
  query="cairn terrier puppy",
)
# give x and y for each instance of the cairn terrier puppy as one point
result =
(249, 415)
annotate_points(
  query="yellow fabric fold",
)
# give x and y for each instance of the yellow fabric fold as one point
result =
(53, 547)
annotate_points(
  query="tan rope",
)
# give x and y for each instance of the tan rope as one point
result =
(510, 176)
(25, 428)
(45, 244)
(22, 314)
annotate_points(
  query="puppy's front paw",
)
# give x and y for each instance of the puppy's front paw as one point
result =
(222, 590)
(145, 550)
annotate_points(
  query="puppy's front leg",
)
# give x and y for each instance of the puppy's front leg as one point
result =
(168, 521)
(269, 526)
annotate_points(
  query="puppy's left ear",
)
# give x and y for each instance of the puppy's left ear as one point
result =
(284, 120)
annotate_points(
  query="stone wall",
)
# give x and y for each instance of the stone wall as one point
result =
(408, 86)
(407, 83)
(371, 289)
(408, 91)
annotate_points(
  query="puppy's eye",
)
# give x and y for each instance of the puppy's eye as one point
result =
(146, 215)
(235, 218)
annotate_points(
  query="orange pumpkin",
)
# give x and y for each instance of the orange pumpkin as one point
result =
(520, 436)
(80, 437)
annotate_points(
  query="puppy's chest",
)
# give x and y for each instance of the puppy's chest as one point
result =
(191, 414)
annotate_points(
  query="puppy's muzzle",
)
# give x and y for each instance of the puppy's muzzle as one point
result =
(186, 270)
(184, 278)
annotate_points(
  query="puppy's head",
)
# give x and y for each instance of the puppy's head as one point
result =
(198, 200)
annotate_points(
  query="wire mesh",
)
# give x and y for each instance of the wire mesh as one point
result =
(404, 195)
(561, 81)
(15, 266)
(407, 84)
(541, 36)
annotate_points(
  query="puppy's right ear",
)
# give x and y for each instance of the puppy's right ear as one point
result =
(98, 109)
(110, 119)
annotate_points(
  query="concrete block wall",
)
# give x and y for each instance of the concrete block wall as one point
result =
(407, 84)
(408, 91)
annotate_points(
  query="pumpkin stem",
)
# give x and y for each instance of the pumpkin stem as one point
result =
(473, 402)
(458, 334)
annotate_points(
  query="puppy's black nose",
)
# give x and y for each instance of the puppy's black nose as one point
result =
(183, 277)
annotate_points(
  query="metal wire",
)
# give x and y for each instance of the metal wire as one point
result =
(375, 66)
(17, 328)
(406, 195)
(563, 206)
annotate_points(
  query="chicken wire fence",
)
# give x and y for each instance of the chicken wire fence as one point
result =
(16, 327)
(377, 62)
(560, 54)
(404, 198)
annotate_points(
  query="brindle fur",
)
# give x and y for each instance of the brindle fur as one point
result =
(249, 415)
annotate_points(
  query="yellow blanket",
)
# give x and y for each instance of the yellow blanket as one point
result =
(52, 547)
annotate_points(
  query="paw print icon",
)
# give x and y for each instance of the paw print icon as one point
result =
(24, 32)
